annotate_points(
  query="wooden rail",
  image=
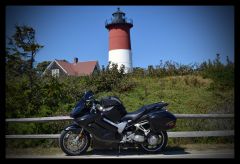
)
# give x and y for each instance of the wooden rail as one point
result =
(65, 118)
(170, 134)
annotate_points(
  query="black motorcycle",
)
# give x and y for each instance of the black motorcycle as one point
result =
(107, 121)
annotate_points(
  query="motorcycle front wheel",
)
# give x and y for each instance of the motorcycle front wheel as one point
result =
(155, 142)
(72, 144)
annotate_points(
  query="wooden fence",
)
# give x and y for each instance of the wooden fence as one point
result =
(216, 133)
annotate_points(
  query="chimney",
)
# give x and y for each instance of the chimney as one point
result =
(75, 60)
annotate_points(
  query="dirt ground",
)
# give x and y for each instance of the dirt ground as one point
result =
(57, 150)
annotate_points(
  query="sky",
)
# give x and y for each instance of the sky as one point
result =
(184, 34)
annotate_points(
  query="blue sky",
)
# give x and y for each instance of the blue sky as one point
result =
(184, 34)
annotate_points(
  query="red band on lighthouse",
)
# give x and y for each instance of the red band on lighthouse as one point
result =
(119, 37)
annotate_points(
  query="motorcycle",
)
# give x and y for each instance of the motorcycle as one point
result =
(108, 122)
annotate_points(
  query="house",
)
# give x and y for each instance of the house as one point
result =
(64, 68)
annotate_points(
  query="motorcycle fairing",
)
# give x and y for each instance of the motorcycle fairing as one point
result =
(95, 125)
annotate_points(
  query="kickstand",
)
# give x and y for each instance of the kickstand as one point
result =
(119, 149)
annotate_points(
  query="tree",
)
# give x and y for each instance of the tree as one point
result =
(25, 39)
(42, 66)
(24, 46)
(15, 66)
(229, 62)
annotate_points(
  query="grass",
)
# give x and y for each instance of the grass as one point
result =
(193, 96)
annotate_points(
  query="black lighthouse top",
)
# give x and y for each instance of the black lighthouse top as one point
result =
(118, 18)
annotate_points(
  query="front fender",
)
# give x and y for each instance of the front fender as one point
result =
(73, 127)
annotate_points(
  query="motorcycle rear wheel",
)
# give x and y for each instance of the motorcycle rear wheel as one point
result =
(71, 146)
(162, 139)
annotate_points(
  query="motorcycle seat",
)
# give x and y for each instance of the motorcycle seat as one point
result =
(158, 105)
(134, 115)
(140, 112)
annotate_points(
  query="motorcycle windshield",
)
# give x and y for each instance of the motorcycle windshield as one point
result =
(88, 95)
(78, 109)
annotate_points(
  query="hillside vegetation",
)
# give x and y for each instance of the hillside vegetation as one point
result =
(187, 91)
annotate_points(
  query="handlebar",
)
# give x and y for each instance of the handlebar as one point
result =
(95, 106)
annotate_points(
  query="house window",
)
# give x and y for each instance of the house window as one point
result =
(55, 72)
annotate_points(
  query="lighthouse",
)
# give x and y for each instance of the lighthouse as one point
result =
(119, 40)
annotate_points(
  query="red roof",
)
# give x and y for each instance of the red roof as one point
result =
(79, 68)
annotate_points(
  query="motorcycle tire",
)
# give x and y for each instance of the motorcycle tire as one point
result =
(70, 146)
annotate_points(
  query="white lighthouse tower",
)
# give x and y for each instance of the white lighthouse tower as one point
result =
(119, 40)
